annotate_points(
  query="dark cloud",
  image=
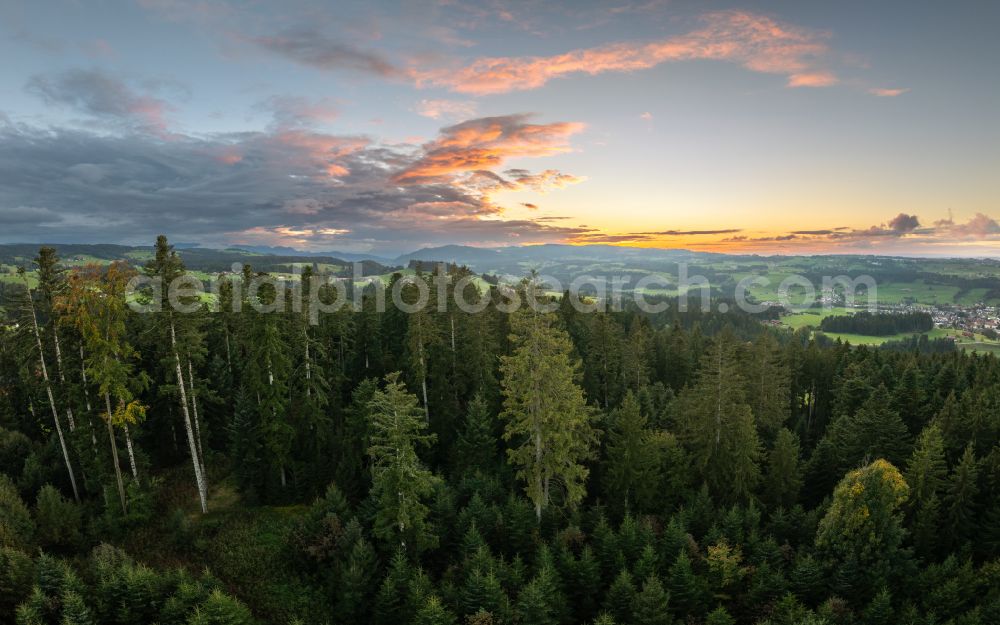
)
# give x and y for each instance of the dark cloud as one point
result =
(95, 93)
(284, 186)
(774, 239)
(313, 48)
(904, 223)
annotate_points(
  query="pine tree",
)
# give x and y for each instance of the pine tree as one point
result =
(620, 597)
(719, 616)
(220, 609)
(16, 576)
(434, 613)
(548, 420)
(879, 610)
(716, 423)
(768, 385)
(534, 606)
(390, 602)
(631, 468)
(74, 610)
(603, 359)
(36, 329)
(650, 606)
(245, 446)
(476, 447)
(960, 498)
(783, 477)
(399, 479)
(166, 267)
(95, 302)
(925, 474)
(876, 431)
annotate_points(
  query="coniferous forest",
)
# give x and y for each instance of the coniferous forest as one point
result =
(441, 467)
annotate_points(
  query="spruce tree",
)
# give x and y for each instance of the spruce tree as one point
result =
(548, 421)
(650, 606)
(400, 481)
(717, 425)
(925, 474)
(960, 498)
(630, 473)
(783, 478)
(476, 447)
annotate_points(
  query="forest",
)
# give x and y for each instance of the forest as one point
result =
(878, 324)
(442, 467)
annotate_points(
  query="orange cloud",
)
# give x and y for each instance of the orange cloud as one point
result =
(483, 144)
(887, 93)
(812, 79)
(756, 42)
(320, 150)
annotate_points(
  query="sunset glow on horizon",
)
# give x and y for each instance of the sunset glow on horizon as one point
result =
(768, 128)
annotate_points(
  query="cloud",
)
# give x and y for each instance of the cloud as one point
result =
(294, 111)
(296, 187)
(93, 92)
(681, 233)
(646, 116)
(449, 109)
(903, 223)
(314, 49)
(887, 93)
(979, 226)
(486, 143)
(543, 181)
(758, 43)
(812, 79)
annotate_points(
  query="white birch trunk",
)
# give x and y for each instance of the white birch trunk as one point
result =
(48, 390)
(199, 477)
(197, 420)
(131, 453)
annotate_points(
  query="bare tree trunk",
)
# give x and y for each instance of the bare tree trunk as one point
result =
(305, 333)
(48, 390)
(86, 400)
(197, 421)
(198, 475)
(131, 453)
(62, 377)
(229, 357)
(114, 453)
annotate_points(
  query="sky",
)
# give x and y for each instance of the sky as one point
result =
(764, 127)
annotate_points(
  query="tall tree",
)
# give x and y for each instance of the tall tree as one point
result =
(717, 424)
(30, 306)
(632, 463)
(784, 477)
(548, 421)
(925, 474)
(960, 498)
(95, 300)
(476, 447)
(400, 481)
(860, 537)
(166, 267)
